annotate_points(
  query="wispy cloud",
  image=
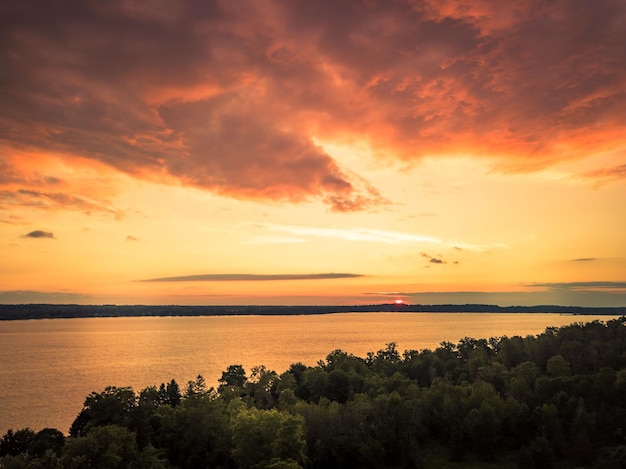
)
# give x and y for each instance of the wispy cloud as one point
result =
(580, 286)
(54, 201)
(277, 240)
(375, 236)
(251, 277)
(14, 220)
(606, 175)
(420, 215)
(34, 296)
(584, 259)
(592, 298)
(131, 238)
(355, 234)
(39, 234)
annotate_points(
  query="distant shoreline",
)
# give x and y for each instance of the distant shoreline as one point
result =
(10, 312)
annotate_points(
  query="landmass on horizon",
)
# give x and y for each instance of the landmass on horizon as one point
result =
(55, 311)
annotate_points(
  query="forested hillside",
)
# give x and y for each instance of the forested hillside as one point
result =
(553, 400)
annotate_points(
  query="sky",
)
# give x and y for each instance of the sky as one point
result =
(327, 152)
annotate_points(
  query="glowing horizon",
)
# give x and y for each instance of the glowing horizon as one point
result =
(313, 152)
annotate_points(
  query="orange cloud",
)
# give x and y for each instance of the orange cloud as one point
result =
(53, 200)
(231, 98)
(606, 175)
(37, 181)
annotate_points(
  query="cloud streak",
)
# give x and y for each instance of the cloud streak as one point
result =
(54, 200)
(303, 233)
(508, 298)
(34, 296)
(606, 175)
(231, 98)
(581, 286)
(251, 277)
(355, 234)
(39, 234)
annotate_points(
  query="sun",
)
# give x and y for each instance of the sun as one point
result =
(398, 301)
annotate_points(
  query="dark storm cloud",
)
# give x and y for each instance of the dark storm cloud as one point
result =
(232, 97)
(39, 234)
(250, 277)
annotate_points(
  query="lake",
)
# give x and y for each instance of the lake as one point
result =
(48, 367)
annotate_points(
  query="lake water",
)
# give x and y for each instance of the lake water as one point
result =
(48, 367)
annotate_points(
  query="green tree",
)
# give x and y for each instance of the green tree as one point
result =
(233, 377)
(314, 383)
(267, 438)
(558, 366)
(338, 387)
(482, 425)
(261, 387)
(197, 388)
(195, 433)
(148, 401)
(173, 393)
(113, 406)
(48, 439)
(170, 394)
(386, 361)
(108, 447)
(14, 443)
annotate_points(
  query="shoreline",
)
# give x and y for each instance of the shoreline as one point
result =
(16, 312)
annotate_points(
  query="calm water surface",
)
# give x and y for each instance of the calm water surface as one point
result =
(48, 367)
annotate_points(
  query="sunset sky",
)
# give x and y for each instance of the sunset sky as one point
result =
(313, 152)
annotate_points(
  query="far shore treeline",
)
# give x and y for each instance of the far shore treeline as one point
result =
(554, 400)
(57, 311)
